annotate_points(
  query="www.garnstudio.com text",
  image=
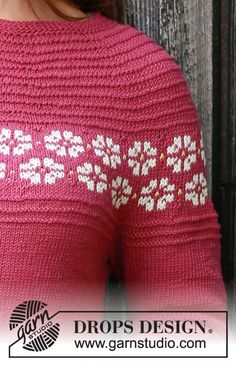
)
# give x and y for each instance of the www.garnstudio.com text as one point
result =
(146, 343)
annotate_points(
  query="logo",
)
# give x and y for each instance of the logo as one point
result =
(34, 325)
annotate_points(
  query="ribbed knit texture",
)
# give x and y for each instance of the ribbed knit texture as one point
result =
(102, 167)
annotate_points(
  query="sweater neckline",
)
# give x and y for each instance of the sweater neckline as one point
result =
(90, 25)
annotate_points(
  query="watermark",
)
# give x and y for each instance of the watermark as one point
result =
(78, 334)
(36, 331)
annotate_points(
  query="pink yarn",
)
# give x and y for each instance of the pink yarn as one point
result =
(101, 161)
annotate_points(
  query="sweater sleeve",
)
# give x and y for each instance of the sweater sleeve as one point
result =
(169, 229)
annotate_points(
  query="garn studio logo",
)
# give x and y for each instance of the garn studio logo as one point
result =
(35, 327)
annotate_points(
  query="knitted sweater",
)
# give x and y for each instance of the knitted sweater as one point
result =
(102, 168)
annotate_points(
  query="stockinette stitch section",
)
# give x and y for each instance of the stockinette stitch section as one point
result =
(102, 168)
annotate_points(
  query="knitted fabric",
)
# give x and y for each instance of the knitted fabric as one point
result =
(102, 168)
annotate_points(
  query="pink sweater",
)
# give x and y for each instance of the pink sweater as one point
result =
(102, 167)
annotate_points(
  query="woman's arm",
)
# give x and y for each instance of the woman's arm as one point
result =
(169, 229)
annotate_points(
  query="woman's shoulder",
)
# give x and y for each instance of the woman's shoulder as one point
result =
(138, 56)
(150, 79)
(138, 62)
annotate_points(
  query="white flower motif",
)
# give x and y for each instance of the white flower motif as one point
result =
(5, 136)
(183, 152)
(106, 149)
(142, 158)
(89, 174)
(56, 171)
(2, 170)
(202, 150)
(120, 191)
(162, 196)
(197, 188)
(69, 142)
(24, 142)
(148, 200)
(76, 144)
(28, 170)
(52, 143)
(20, 142)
